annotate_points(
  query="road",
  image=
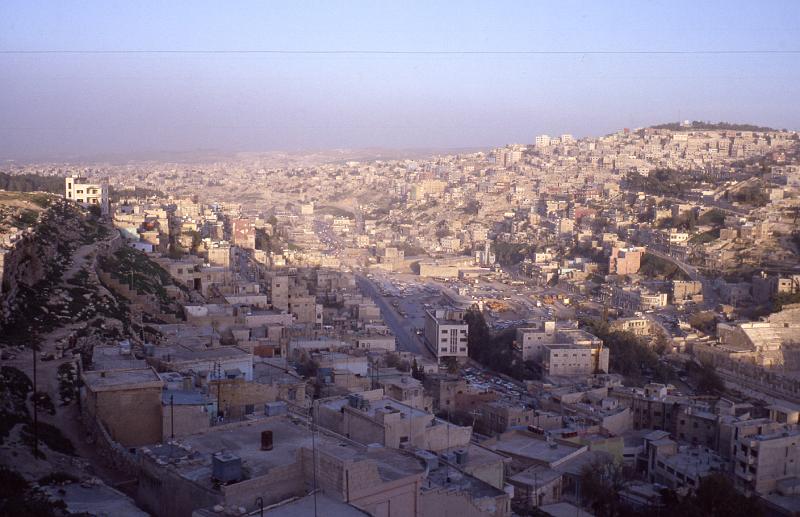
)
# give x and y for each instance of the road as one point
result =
(407, 340)
(710, 298)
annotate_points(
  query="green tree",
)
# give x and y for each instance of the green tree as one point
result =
(601, 482)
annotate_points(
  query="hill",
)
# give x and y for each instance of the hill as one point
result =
(711, 126)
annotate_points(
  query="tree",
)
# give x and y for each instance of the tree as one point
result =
(601, 482)
(661, 344)
(705, 378)
(630, 355)
(715, 497)
(704, 321)
(451, 364)
(392, 360)
(417, 371)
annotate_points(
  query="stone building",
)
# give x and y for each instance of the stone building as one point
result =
(126, 402)
(446, 333)
(370, 417)
(87, 194)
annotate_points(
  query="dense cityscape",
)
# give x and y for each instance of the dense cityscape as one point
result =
(593, 326)
(399, 259)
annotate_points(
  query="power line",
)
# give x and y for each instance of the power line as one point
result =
(406, 52)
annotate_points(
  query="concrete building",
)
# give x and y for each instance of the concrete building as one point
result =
(636, 325)
(562, 351)
(446, 333)
(126, 402)
(762, 461)
(87, 194)
(530, 341)
(376, 341)
(625, 261)
(638, 298)
(222, 362)
(688, 290)
(274, 459)
(574, 359)
(500, 416)
(371, 417)
(219, 254)
(444, 390)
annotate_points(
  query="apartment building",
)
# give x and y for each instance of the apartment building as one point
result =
(635, 324)
(763, 461)
(625, 261)
(127, 402)
(531, 340)
(561, 351)
(574, 359)
(371, 417)
(446, 333)
(87, 194)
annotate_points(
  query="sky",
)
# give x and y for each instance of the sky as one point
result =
(70, 84)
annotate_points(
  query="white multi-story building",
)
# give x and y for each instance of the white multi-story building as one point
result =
(87, 194)
(542, 141)
(446, 333)
(766, 462)
(561, 351)
(574, 359)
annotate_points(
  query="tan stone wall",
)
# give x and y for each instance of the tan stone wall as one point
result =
(163, 494)
(360, 428)
(446, 503)
(132, 417)
(438, 438)
(235, 395)
(188, 420)
(276, 485)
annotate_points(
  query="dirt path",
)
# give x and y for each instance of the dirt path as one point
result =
(66, 418)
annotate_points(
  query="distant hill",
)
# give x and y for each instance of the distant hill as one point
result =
(712, 126)
(31, 183)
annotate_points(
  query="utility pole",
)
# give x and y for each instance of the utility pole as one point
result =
(218, 368)
(35, 408)
(314, 459)
(172, 416)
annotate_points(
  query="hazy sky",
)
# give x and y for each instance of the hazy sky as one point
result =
(80, 104)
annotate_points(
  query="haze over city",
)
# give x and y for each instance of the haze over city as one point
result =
(399, 259)
(96, 80)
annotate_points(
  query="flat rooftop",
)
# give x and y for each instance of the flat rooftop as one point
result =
(305, 506)
(537, 476)
(95, 500)
(527, 445)
(182, 353)
(385, 403)
(184, 398)
(453, 479)
(192, 456)
(134, 378)
(694, 462)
